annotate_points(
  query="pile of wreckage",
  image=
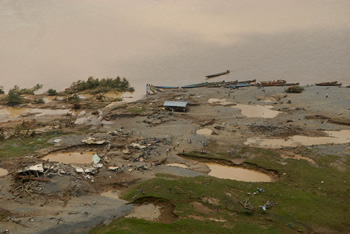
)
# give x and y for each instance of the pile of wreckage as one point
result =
(32, 178)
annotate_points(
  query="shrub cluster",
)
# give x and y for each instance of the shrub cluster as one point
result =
(104, 84)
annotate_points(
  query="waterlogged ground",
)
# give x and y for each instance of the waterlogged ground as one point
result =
(249, 189)
(334, 137)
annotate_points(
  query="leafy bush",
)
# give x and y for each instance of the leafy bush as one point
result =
(14, 97)
(39, 101)
(27, 91)
(73, 99)
(1, 91)
(294, 89)
(51, 92)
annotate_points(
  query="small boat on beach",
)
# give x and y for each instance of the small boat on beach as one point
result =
(275, 83)
(282, 84)
(332, 83)
(234, 82)
(218, 74)
(166, 87)
(237, 86)
(204, 84)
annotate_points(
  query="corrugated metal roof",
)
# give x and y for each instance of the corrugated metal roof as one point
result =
(174, 104)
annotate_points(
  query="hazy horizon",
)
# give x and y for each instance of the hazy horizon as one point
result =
(56, 42)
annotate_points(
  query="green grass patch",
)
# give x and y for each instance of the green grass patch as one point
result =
(19, 147)
(307, 196)
(136, 110)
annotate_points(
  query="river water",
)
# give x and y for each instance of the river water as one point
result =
(56, 42)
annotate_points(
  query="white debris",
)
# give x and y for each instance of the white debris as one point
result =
(93, 141)
(96, 159)
(138, 146)
(79, 170)
(113, 168)
(98, 165)
(39, 167)
(56, 140)
(126, 151)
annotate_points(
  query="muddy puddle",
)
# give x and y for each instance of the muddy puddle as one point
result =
(70, 157)
(204, 131)
(334, 137)
(177, 165)
(237, 173)
(257, 111)
(3, 172)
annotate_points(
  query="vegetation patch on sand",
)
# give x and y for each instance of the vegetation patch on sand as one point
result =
(96, 85)
(302, 191)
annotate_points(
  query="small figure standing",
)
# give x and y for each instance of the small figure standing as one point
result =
(326, 95)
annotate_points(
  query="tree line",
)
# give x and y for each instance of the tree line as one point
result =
(92, 84)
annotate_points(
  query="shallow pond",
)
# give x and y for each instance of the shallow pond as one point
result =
(204, 131)
(71, 157)
(257, 111)
(237, 173)
(334, 137)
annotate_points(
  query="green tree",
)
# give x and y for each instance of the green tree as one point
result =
(52, 92)
(14, 97)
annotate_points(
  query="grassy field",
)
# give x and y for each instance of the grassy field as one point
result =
(308, 198)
